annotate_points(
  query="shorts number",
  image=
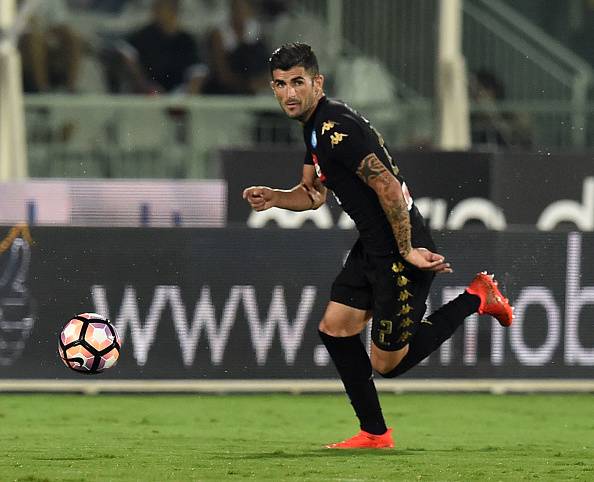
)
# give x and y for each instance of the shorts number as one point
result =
(385, 329)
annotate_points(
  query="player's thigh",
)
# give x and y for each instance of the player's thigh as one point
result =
(352, 287)
(340, 320)
(400, 294)
(351, 298)
(409, 307)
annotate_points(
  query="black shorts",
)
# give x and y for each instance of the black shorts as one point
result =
(394, 290)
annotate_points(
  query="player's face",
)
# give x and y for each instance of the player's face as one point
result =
(297, 91)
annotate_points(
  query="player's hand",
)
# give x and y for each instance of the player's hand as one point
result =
(424, 259)
(260, 197)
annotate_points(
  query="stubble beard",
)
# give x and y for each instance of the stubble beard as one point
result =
(304, 114)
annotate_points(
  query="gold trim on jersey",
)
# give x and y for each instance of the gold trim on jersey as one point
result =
(406, 322)
(337, 138)
(404, 295)
(326, 126)
(402, 281)
(397, 267)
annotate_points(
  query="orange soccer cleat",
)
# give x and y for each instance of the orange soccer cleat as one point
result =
(365, 440)
(492, 301)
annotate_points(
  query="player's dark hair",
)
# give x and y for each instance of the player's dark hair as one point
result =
(292, 55)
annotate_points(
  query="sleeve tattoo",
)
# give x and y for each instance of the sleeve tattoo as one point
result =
(373, 172)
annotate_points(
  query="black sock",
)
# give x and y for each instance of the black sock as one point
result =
(354, 367)
(436, 329)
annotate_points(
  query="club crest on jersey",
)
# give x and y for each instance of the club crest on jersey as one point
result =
(337, 138)
(314, 139)
(326, 126)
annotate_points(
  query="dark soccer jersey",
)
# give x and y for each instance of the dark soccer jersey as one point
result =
(337, 140)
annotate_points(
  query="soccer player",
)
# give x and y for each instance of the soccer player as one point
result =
(389, 271)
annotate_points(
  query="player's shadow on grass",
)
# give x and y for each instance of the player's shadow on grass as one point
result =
(326, 453)
(321, 452)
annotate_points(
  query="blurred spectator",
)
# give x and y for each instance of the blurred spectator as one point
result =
(238, 58)
(159, 57)
(490, 126)
(50, 50)
(109, 6)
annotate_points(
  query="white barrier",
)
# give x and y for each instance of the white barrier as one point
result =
(494, 386)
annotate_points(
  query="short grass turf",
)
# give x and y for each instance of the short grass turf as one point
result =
(280, 437)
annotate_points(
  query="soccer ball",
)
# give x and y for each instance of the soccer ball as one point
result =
(89, 344)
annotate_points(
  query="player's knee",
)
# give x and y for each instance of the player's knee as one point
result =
(391, 373)
(381, 365)
(386, 363)
(331, 328)
(386, 369)
(337, 329)
(326, 327)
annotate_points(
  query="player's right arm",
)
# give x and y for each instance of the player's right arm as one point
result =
(310, 193)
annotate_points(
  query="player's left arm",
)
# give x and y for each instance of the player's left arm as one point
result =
(389, 191)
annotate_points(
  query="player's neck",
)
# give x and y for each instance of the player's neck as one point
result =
(304, 120)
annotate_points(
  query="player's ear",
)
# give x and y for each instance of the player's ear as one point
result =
(319, 82)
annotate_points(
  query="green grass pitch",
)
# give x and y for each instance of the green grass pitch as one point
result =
(280, 437)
